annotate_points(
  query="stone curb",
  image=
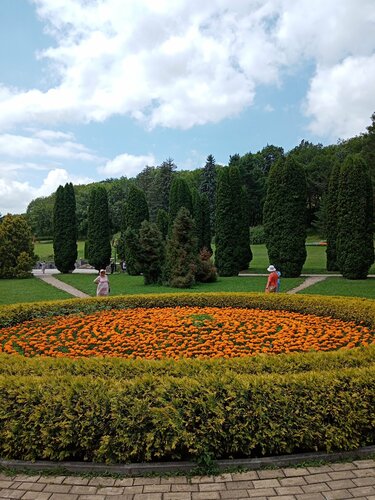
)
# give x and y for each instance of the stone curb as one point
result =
(161, 468)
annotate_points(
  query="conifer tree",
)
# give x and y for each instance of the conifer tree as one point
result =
(162, 221)
(284, 217)
(240, 225)
(208, 186)
(355, 231)
(181, 254)
(98, 233)
(65, 229)
(151, 253)
(135, 212)
(224, 235)
(331, 217)
(201, 214)
(179, 196)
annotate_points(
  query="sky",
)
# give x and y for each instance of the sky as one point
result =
(98, 89)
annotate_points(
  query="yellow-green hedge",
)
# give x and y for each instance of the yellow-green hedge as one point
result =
(116, 410)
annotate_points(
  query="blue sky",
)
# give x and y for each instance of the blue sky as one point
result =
(92, 89)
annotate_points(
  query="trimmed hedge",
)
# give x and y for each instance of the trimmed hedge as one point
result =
(148, 418)
(113, 410)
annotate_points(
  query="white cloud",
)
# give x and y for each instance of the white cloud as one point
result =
(127, 165)
(15, 195)
(46, 144)
(185, 63)
(341, 98)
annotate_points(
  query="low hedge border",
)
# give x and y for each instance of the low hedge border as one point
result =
(133, 411)
(192, 418)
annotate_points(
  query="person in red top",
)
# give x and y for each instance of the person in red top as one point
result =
(273, 277)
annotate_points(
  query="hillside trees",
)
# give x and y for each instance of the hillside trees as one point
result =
(65, 229)
(39, 215)
(16, 247)
(284, 217)
(355, 213)
(98, 232)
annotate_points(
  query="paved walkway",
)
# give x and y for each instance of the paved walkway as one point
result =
(310, 280)
(335, 481)
(47, 278)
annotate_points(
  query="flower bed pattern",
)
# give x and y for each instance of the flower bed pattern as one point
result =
(181, 332)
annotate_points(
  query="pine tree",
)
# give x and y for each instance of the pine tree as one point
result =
(151, 253)
(355, 231)
(98, 234)
(159, 190)
(285, 217)
(208, 186)
(65, 229)
(331, 220)
(181, 260)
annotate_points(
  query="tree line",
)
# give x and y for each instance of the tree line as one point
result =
(285, 192)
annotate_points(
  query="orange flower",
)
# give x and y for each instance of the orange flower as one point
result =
(181, 332)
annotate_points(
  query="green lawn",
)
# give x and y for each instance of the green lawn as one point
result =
(123, 284)
(343, 287)
(44, 250)
(28, 290)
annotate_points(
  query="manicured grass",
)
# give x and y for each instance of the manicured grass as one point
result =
(123, 284)
(29, 290)
(343, 287)
(315, 261)
(44, 250)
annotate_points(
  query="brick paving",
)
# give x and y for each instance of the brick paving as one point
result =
(336, 481)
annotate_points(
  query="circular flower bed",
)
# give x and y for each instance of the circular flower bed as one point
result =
(181, 332)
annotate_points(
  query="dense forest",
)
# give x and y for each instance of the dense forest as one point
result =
(155, 182)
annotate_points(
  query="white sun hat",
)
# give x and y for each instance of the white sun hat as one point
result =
(271, 268)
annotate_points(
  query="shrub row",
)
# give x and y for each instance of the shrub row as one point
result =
(164, 418)
(118, 368)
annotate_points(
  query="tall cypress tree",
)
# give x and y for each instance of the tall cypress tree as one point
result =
(98, 233)
(135, 212)
(181, 253)
(179, 196)
(240, 221)
(331, 220)
(65, 229)
(201, 214)
(151, 252)
(224, 234)
(355, 231)
(284, 217)
(208, 186)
